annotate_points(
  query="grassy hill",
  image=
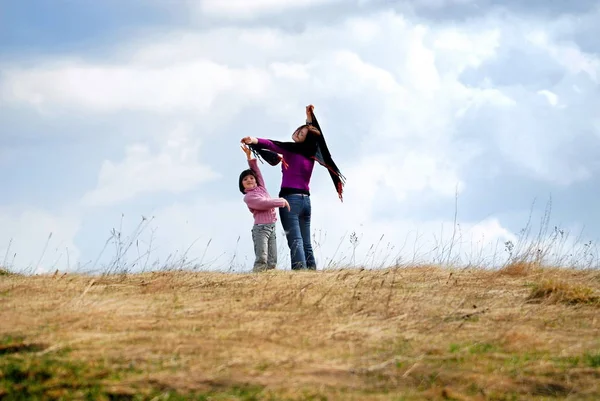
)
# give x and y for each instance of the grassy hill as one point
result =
(410, 333)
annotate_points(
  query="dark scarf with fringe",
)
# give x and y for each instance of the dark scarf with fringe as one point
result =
(314, 147)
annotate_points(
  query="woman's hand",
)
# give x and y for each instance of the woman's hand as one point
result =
(249, 140)
(286, 204)
(309, 109)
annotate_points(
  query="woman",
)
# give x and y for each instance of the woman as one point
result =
(298, 159)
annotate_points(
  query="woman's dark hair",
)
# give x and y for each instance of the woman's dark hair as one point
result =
(243, 174)
(311, 129)
(309, 146)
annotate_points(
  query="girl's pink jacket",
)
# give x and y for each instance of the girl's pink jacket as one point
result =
(259, 201)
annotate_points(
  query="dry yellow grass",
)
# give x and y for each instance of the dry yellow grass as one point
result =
(519, 268)
(393, 334)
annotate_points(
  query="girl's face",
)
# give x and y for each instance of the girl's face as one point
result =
(249, 182)
(300, 135)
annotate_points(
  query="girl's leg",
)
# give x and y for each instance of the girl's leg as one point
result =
(290, 223)
(304, 222)
(260, 238)
(272, 253)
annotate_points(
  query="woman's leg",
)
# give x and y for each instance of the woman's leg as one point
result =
(304, 222)
(290, 223)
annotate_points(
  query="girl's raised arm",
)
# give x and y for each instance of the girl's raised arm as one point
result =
(254, 166)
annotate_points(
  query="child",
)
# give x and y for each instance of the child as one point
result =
(262, 207)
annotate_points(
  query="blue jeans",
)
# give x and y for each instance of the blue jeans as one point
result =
(296, 224)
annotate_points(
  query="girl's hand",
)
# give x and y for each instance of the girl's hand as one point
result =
(286, 204)
(247, 151)
(249, 140)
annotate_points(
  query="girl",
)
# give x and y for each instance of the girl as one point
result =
(262, 206)
(308, 145)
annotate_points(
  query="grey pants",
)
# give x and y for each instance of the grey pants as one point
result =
(265, 247)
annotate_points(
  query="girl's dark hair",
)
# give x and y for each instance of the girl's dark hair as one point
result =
(243, 174)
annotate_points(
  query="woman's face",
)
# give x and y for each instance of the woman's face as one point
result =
(300, 135)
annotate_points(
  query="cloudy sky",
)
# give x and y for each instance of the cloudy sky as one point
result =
(114, 110)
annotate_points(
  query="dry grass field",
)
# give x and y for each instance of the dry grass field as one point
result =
(407, 333)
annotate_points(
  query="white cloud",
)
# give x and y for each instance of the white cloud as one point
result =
(405, 176)
(362, 30)
(190, 87)
(246, 9)
(367, 77)
(465, 50)
(175, 167)
(295, 71)
(491, 229)
(35, 241)
(567, 54)
(441, 3)
(550, 96)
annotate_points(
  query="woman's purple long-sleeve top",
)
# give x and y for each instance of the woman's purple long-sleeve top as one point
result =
(299, 171)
